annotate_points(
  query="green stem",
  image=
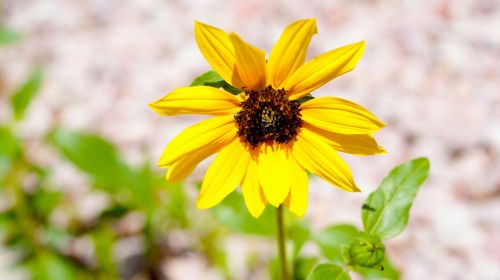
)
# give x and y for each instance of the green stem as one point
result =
(281, 243)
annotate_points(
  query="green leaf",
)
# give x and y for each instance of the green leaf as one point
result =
(10, 150)
(9, 145)
(176, 202)
(4, 168)
(328, 271)
(212, 79)
(115, 211)
(10, 232)
(8, 36)
(207, 77)
(274, 269)
(299, 233)
(388, 271)
(163, 200)
(233, 214)
(101, 161)
(143, 187)
(210, 243)
(54, 237)
(302, 266)
(104, 240)
(43, 201)
(304, 99)
(47, 266)
(25, 93)
(218, 258)
(331, 239)
(95, 156)
(386, 210)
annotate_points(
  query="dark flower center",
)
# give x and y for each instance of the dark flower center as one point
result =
(268, 116)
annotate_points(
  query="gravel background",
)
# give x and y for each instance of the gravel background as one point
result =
(430, 70)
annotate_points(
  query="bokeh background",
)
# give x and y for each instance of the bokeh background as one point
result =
(430, 70)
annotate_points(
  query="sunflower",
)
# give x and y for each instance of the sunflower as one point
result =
(265, 138)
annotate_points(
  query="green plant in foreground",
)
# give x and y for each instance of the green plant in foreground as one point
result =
(44, 247)
(30, 199)
(385, 214)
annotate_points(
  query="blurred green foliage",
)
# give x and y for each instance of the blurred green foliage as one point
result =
(26, 92)
(31, 201)
(233, 214)
(43, 246)
(328, 271)
(8, 36)
(332, 238)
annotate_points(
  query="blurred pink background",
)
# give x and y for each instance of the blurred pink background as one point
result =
(431, 71)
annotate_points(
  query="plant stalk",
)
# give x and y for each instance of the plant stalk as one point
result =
(281, 243)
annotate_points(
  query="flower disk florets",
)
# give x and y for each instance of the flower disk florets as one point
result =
(268, 116)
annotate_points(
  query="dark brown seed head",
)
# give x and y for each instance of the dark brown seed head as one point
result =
(267, 116)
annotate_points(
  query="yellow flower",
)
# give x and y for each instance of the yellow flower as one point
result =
(264, 138)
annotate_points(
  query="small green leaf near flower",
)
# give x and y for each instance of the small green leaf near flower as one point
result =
(212, 79)
(305, 98)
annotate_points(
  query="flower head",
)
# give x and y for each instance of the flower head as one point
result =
(265, 138)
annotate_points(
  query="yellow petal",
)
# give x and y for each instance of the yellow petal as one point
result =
(340, 116)
(251, 63)
(197, 100)
(323, 68)
(251, 190)
(186, 164)
(218, 50)
(297, 199)
(224, 174)
(216, 132)
(274, 173)
(356, 144)
(313, 154)
(289, 53)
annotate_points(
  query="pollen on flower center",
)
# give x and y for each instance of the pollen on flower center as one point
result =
(268, 116)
